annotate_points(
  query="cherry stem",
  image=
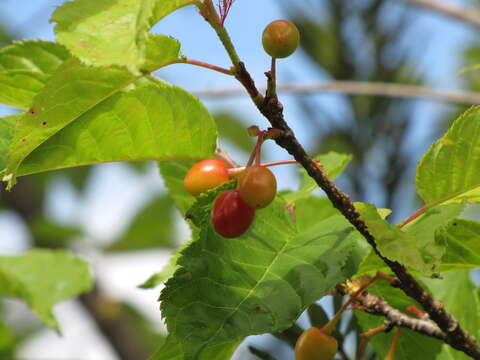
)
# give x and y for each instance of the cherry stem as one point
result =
(238, 170)
(259, 150)
(184, 60)
(256, 150)
(272, 80)
(226, 157)
(373, 331)
(393, 346)
(415, 215)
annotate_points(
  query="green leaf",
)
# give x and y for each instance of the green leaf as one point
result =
(450, 170)
(114, 32)
(457, 292)
(312, 209)
(152, 227)
(231, 128)
(25, 67)
(50, 234)
(7, 126)
(333, 164)
(415, 245)
(71, 92)
(227, 289)
(317, 315)
(173, 173)
(108, 32)
(168, 270)
(462, 239)
(165, 7)
(43, 278)
(411, 344)
(152, 122)
(172, 350)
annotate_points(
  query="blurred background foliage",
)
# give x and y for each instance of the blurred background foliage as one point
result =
(362, 40)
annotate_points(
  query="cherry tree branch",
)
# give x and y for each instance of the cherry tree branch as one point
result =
(272, 110)
(467, 15)
(358, 88)
(377, 306)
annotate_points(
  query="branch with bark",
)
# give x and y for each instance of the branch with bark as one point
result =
(375, 305)
(272, 110)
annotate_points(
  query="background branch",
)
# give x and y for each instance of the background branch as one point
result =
(359, 88)
(466, 15)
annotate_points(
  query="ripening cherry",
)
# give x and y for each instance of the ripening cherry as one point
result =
(205, 175)
(257, 186)
(231, 216)
(280, 38)
(315, 344)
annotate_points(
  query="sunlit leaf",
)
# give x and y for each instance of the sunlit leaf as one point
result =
(7, 125)
(25, 67)
(450, 170)
(152, 122)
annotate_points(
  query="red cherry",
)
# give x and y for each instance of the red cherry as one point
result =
(315, 344)
(205, 175)
(231, 216)
(257, 186)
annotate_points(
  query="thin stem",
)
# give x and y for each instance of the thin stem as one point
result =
(393, 346)
(415, 215)
(272, 80)
(373, 331)
(210, 14)
(259, 150)
(226, 157)
(238, 170)
(205, 65)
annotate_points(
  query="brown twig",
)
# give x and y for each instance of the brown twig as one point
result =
(375, 305)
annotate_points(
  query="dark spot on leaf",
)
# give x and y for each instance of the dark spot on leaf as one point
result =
(23, 140)
(32, 111)
(257, 308)
(44, 123)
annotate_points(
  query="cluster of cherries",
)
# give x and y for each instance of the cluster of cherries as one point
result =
(234, 210)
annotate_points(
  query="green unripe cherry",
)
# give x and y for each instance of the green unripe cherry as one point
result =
(280, 38)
